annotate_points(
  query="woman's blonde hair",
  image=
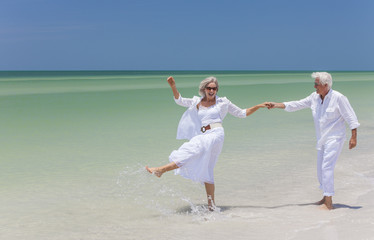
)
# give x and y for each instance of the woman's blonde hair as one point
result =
(204, 83)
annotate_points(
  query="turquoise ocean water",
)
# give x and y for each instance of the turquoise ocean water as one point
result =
(73, 146)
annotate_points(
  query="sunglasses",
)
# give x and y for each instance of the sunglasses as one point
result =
(211, 88)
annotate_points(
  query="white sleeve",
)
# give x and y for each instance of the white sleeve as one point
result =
(298, 105)
(184, 102)
(236, 111)
(347, 112)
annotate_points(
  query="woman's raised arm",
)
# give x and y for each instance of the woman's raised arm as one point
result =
(171, 82)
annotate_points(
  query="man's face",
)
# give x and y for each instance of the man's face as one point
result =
(320, 89)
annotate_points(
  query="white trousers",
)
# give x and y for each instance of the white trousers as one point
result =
(326, 160)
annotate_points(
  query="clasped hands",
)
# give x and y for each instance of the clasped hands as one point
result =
(269, 105)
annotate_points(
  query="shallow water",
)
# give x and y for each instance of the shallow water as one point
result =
(74, 145)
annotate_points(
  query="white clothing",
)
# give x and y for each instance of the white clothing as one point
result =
(196, 158)
(326, 160)
(208, 115)
(189, 125)
(329, 117)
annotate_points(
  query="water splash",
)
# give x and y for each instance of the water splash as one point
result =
(203, 213)
(141, 188)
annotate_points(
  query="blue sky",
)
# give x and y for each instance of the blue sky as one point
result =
(186, 35)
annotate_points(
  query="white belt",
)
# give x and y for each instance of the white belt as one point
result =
(210, 126)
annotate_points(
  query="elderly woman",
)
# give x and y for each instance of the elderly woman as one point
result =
(201, 124)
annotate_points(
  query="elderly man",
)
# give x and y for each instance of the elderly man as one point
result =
(330, 110)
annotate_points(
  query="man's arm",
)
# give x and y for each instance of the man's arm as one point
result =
(271, 105)
(350, 117)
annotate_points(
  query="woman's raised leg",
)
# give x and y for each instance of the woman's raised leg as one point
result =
(158, 171)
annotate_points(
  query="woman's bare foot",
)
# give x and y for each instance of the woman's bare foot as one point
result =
(155, 171)
(211, 204)
(158, 171)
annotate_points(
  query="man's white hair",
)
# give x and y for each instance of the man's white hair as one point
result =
(324, 78)
(204, 83)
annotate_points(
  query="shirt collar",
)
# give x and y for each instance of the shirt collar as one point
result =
(328, 95)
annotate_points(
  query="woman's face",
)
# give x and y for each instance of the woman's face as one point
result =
(210, 91)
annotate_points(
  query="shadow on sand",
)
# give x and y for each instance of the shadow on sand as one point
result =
(338, 205)
(187, 209)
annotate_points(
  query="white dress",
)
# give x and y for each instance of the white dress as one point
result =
(196, 158)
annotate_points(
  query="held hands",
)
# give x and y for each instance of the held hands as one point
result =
(270, 105)
(263, 105)
(253, 109)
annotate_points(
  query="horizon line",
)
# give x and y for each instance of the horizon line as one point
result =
(180, 70)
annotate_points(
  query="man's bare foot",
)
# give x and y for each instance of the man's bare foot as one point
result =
(322, 201)
(327, 205)
(155, 171)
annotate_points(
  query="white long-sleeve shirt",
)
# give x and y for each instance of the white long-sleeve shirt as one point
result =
(329, 116)
(190, 124)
